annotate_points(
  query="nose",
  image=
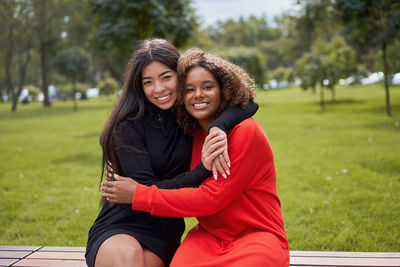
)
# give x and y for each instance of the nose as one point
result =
(198, 93)
(159, 87)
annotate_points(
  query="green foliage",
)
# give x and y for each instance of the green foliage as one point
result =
(243, 32)
(249, 59)
(282, 74)
(337, 171)
(72, 63)
(373, 24)
(108, 86)
(308, 70)
(121, 24)
(393, 57)
(33, 90)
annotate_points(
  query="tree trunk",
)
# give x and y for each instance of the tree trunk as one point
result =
(22, 65)
(322, 100)
(386, 74)
(333, 94)
(75, 101)
(9, 63)
(314, 90)
(45, 86)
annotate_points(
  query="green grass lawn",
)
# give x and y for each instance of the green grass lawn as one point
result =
(338, 171)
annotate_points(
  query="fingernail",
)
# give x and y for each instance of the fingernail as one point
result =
(224, 175)
(228, 172)
(229, 164)
(215, 177)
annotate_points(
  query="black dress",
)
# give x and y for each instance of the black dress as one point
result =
(154, 150)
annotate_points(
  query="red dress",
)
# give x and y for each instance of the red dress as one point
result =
(240, 220)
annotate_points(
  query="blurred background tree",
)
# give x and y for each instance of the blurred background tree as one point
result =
(374, 25)
(73, 63)
(321, 44)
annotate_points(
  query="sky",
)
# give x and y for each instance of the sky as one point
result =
(210, 11)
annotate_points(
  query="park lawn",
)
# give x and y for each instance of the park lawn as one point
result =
(338, 171)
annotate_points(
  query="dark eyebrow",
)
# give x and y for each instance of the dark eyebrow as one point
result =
(143, 78)
(165, 72)
(208, 81)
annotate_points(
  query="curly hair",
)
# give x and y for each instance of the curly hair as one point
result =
(237, 87)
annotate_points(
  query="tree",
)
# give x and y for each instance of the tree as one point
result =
(108, 86)
(308, 70)
(337, 60)
(393, 59)
(17, 16)
(48, 18)
(249, 59)
(121, 24)
(73, 63)
(373, 24)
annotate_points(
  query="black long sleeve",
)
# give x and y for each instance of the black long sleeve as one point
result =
(136, 162)
(233, 116)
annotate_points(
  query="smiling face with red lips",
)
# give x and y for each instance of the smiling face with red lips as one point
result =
(202, 95)
(159, 84)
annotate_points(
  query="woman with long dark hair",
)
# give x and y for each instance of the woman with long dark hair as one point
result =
(240, 219)
(142, 139)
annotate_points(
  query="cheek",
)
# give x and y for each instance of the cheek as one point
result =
(185, 100)
(173, 85)
(148, 91)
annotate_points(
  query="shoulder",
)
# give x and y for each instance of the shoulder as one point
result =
(128, 128)
(248, 133)
(246, 127)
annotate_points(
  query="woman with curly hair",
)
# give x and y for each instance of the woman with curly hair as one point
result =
(240, 220)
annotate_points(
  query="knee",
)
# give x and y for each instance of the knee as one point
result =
(130, 255)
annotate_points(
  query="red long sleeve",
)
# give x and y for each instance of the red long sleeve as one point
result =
(225, 208)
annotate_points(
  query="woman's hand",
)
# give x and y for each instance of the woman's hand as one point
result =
(215, 149)
(120, 191)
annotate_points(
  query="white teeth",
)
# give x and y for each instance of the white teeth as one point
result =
(200, 105)
(163, 98)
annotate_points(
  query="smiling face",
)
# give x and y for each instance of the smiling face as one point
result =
(202, 95)
(159, 84)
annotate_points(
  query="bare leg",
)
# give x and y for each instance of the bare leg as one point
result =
(151, 259)
(120, 250)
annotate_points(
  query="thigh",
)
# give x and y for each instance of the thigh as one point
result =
(262, 249)
(198, 249)
(120, 250)
(151, 259)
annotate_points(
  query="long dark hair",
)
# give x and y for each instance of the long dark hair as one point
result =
(132, 102)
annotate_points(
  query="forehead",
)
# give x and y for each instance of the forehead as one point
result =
(155, 68)
(199, 74)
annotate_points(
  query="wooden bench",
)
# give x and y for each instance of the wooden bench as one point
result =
(74, 256)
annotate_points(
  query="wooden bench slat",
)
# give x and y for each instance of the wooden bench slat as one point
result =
(64, 249)
(7, 262)
(20, 248)
(74, 256)
(330, 261)
(49, 263)
(341, 254)
(57, 255)
(8, 254)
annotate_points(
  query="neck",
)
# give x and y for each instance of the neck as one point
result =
(205, 123)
